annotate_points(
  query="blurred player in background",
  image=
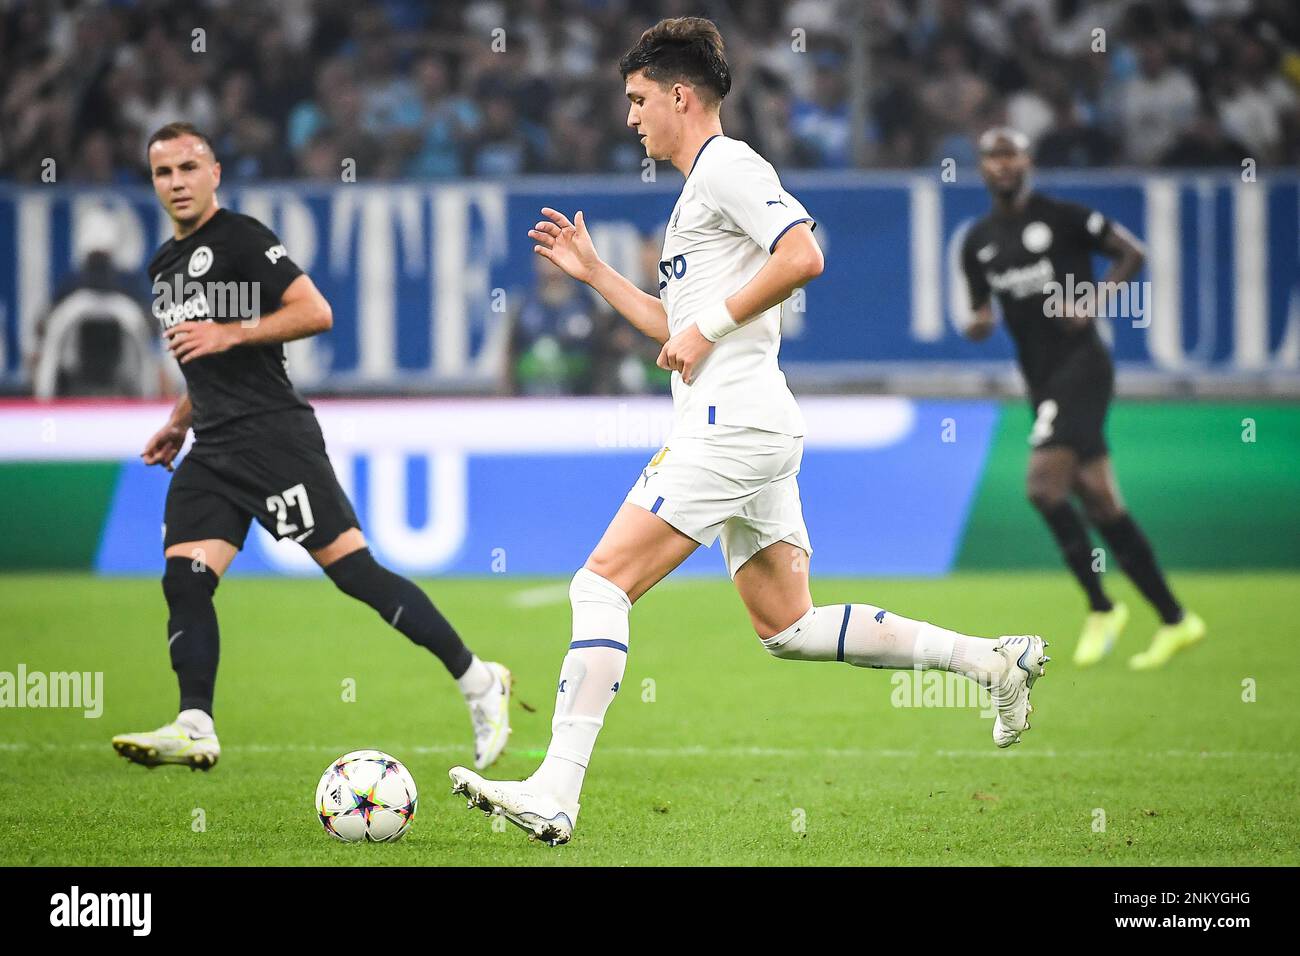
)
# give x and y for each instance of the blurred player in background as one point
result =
(258, 453)
(1025, 243)
(737, 246)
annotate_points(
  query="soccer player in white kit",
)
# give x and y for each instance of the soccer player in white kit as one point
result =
(737, 246)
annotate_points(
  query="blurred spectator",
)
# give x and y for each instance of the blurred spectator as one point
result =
(1204, 144)
(446, 121)
(174, 86)
(821, 125)
(98, 338)
(505, 144)
(333, 134)
(1155, 105)
(96, 164)
(1030, 110)
(555, 336)
(245, 143)
(1254, 102)
(1070, 141)
(954, 95)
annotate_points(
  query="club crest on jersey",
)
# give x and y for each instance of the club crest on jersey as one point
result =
(200, 262)
(1037, 237)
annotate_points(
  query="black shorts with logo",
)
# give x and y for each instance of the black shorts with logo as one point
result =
(276, 471)
(1070, 407)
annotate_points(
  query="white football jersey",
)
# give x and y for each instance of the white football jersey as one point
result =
(726, 223)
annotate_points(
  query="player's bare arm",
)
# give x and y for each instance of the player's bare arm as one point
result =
(569, 246)
(303, 312)
(982, 323)
(1126, 251)
(796, 261)
(165, 444)
(1127, 256)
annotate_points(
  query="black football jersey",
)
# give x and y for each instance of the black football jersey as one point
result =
(230, 269)
(1015, 257)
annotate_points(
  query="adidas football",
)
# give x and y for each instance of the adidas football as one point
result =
(366, 795)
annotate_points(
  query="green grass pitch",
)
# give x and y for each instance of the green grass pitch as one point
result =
(714, 752)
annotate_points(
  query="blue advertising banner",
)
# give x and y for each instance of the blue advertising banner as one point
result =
(423, 279)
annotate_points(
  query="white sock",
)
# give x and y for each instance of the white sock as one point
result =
(197, 722)
(867, 636)
(477, 679)
(589, 678)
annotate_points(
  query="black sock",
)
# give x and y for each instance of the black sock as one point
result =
(1072, 536)
(192, 636)
(1134, 554)
(402, 605)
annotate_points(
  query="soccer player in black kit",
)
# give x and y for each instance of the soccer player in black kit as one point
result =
(1027, 242)
(257, 453)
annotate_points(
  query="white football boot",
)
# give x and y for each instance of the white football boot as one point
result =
(1025, 658)
(490, 714)
(542, 815)
(174, 743)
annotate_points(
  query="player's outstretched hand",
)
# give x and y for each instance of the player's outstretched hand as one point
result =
(685, 351)
(565, 243)
(164, 446)
(191, 340)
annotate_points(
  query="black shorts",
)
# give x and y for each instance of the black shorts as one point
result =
(281, 476)
(1069, 409)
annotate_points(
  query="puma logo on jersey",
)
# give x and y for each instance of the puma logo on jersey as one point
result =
(778, 201)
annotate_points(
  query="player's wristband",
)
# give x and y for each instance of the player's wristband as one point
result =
(716, 322)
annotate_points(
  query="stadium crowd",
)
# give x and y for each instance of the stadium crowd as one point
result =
(292, 88)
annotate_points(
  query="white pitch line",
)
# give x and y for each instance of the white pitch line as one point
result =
(714, 752)
(540, 596)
